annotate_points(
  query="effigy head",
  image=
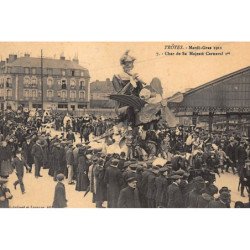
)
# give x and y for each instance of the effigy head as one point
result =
(127, 61)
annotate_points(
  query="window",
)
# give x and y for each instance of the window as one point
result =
(33, 82)
(49, 72)
(64, 84)
(8, 82)
(26, 81)
(64, 94)
(2, 83)
(34, 93)
(36, 106)
(26, 71)
(82, 106)
(72, 83)
(62, 106)
(81, 84)
(63, 72)
(26, 93)
(72, 73)
(9, 93)
(50, 93)
(50, 82)
(33, 71)
(81, 94)
(8, 69)
(72, 94)
(82, 73)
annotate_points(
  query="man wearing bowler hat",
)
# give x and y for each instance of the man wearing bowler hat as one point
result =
(129, 196)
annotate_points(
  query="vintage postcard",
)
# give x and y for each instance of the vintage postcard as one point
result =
(124, 124)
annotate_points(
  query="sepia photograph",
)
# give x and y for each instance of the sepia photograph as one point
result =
(124, 125)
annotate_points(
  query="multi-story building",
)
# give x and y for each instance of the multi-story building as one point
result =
(99, 94)
(65, 83)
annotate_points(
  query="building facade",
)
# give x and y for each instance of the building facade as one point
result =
(99, 94)
(224, 100)
(65, 84)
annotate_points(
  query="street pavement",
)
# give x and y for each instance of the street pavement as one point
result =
(40, 192)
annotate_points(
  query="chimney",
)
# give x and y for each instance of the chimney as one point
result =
(62, 57)
(12, 58)
(76, 60)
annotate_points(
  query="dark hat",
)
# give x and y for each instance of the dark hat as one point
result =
(115, 161)
(2, 180)
(130, 179)
(176, 177)
(224, 189)
(225, 195)
(133, 166)
(198, 179)
(163, 169)
(78, 145)
(100, 161)
(122, 154)
(94, 158)
(60, 177)
(239, 204)
(180, 172)
(127, 163)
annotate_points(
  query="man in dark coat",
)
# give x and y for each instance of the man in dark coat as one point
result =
(199, 185)
(27, 147)
(19, 164)
(60, 200)
(240, 155)
(160, 184)
(113, 179)
(152, 187)
(175, 199)
(144, 187)
(5, 194)
(129, 196)
(70, 136)
(56, 159)
(222, 202)
(230, 151)
(38, 154)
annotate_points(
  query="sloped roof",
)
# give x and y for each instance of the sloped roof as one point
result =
(101, 87)
(47, 63)
(218, 80)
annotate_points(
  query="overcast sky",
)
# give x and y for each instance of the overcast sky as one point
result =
(177, 72)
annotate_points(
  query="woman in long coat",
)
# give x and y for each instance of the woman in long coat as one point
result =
(82, 181)
(5, 160)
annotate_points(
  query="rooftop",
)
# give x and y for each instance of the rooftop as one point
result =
(61, 63)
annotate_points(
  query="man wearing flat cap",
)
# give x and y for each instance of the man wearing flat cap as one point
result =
(129, 196)
(60, 200)
(175, 198)
(223, 201)
(160, 184)
(192, 199)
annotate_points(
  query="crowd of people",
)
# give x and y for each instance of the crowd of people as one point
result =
(156, 167)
